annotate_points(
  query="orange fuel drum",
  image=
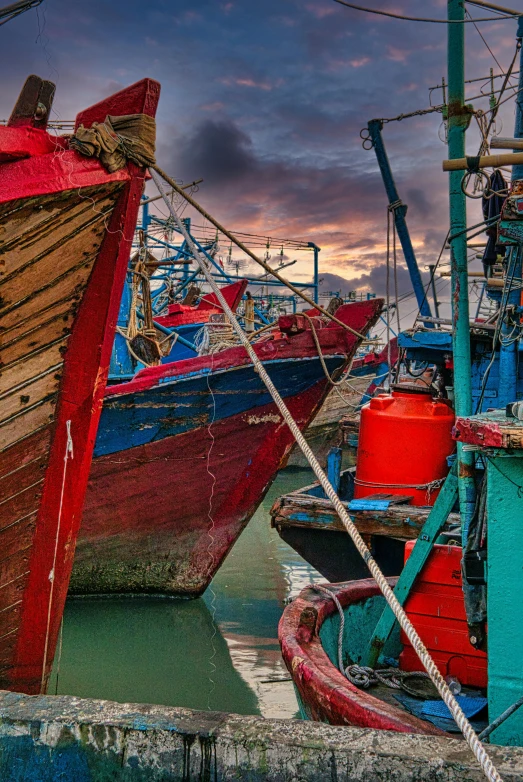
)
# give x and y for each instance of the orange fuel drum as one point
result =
(405, 438)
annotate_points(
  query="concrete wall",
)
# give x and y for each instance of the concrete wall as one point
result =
(51, 739)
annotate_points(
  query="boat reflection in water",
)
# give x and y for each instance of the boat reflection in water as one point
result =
(219, 652)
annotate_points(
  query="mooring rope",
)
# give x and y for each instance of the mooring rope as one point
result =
(320, 353)
(428, 663)
(430, 486)
(362, 676)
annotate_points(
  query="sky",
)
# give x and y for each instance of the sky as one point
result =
(265, 100)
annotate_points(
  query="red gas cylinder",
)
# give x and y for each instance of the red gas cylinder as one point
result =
(405, 438)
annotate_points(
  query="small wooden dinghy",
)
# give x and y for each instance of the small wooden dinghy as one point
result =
(66, 226)
(308, 637)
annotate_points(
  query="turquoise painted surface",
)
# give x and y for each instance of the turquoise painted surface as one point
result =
(360, 621)
(505, 587)
(220, 652)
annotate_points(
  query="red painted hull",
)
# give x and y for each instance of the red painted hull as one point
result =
(181, 315)
(184, 501)
(67, 230)
(185, 496)
(326, 695)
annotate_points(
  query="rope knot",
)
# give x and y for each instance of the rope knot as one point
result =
(396, 205)
(473, 164)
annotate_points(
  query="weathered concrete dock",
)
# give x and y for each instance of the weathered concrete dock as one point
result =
(46, 738)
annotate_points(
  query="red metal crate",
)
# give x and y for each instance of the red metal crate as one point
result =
(436, 609)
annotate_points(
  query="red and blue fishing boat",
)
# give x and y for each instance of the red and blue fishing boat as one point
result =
(66, 227)
(186, 451)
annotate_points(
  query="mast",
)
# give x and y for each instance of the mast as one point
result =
(399, 210)
(458, 121)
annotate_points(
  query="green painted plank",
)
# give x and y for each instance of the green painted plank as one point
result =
(430, 531)
(505, 587)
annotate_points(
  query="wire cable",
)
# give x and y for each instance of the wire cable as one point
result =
(424, 19)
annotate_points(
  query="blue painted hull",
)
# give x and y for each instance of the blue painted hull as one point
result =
(190, 402)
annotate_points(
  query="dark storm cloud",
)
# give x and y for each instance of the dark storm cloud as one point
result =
(266, 101)
(219, 151)
(336, 206)
(375, 281)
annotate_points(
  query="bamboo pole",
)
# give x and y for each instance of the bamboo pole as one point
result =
(506, 143)
(485, 161)
(494, 7)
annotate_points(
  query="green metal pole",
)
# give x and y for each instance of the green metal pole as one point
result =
(458, 120)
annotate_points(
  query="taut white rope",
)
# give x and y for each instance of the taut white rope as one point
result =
(428, 663)
(68, 452)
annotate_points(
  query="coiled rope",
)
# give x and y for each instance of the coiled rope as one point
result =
(428, 663)
(362, 676)
(214, 336)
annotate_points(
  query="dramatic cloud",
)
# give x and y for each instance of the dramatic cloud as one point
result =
(266, 101)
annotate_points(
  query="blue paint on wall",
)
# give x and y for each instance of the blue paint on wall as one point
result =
(24, 760)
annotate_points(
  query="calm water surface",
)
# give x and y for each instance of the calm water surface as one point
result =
(219, 652)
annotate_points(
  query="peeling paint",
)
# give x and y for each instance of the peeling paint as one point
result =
(269, 418)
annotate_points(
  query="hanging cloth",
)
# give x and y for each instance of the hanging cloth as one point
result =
(492, 209)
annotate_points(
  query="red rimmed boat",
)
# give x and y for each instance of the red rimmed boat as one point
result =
(308, 633)
(66, 227)
(397, 699)
(189, 450)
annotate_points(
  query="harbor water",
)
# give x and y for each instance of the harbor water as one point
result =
(219, 652)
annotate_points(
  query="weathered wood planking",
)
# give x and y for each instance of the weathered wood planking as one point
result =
(66, 227)
(31, 364)
(300, 510)
(490, 430)
(47, 240)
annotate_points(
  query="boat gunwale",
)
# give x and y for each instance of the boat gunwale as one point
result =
(323, 689)
(345, 345)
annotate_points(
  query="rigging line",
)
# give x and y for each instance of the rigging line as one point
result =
(387, 299)
(501, 102)
(212, 539)
(503, 88)
(484, 79)
(433, 273)
(424, 19)
(68, 454)
(392, 216)
(254, 257)
(512, 87)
